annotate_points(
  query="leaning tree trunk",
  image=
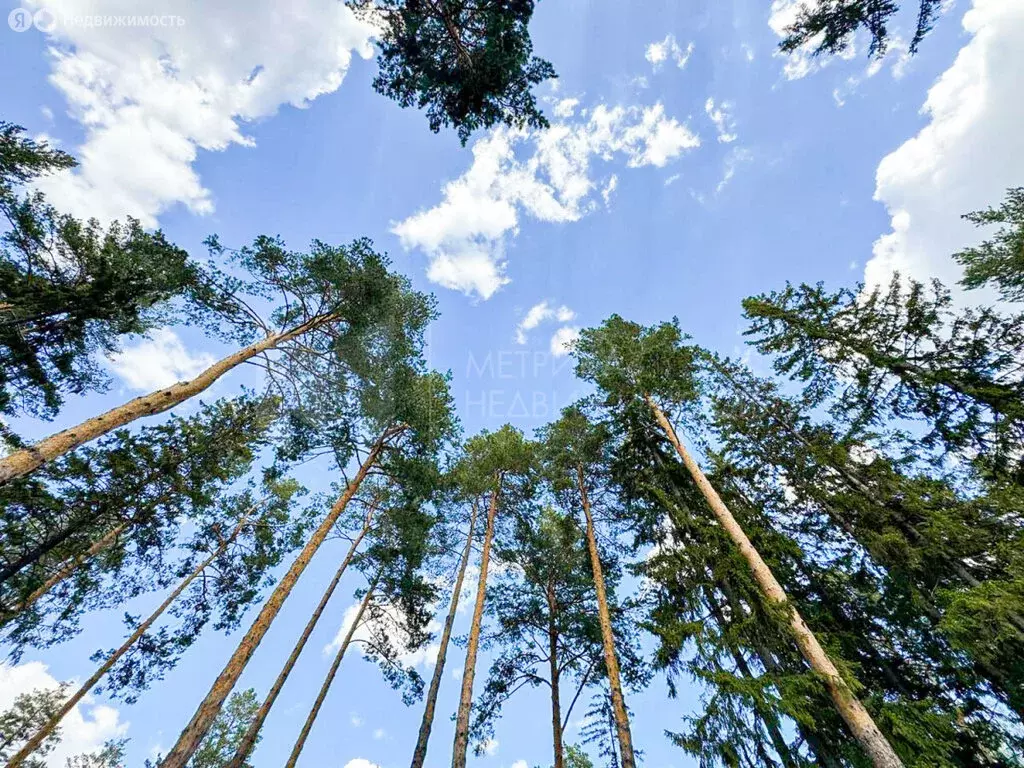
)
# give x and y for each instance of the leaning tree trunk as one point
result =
(69, 568)
(47, 545)
(208, 710)
(23, 462)
(466, 696)
(556, 705)
(419, 754)
(41, 735)
(611, 661)
(300, 742)
(859, 721)
(248, 741)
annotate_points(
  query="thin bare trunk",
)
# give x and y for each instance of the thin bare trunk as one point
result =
(300, 742)
(419, 754)
(208, 710)
(556, 705)
(21, 463)
(860, 723)
(466, 696)
(41, 735)
(611, 661)
(248, 741)
(69, 568)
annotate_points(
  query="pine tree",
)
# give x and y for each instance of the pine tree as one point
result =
(336, 302)
(496, 467)
(636, 367)
(470, 66)
(406, 416)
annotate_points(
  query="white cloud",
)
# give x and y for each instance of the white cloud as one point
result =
(733, 161)
(356, 720)
(385, 618)
(464, 236)
(540, 313)
(970, 151)
(379, 734)
(566, 108)
(721, 116)
(490, 747)
(83, 730)
(660, 52)
(673, 179)
(360, 762)
(562, 339)
(609, 188)
(520, 764)
(151, 97)
(158, 362)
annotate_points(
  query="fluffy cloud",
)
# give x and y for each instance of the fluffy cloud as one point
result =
(970, 151)
(562, 340)
(85, 728)
(490, 747)
(540, 313)
(360, 762)
(464, 235)
(721, 116)
(157, 362)
(658, 53)
(151, 97)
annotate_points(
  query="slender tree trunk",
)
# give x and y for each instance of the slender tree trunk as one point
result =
(21, 463)
(611, 661)
(850, 709)
(293, 758)
(69, 568)
(419, 754)
(466, 696)
(556, 705)
(41, 735)
(207, 711)
(248, 741)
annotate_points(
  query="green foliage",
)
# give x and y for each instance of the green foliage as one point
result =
(227, 731)
(903, 353)
(469, 65)
(68, 289)
(829, 26)
(1000, 261)
(29, 712)
(145, 483)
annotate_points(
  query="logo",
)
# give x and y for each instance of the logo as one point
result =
(45, 21)
(20, 19)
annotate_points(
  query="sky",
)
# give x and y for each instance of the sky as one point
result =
(687, 165)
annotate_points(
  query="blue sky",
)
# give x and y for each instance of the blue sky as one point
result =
(688, 166)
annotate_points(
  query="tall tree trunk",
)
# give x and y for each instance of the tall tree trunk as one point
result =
(207, 711)
(69, 568)
(41, 735)
(248, 741)
(466, 696)
(556, 705)
(300, 742)
(611, 661)
(419, 754)
(21, 463)
(860, 723)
